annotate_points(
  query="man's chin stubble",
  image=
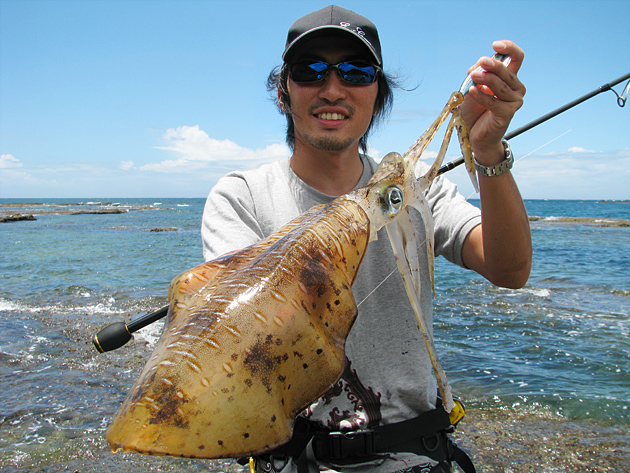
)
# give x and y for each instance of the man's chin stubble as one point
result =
(328, 144)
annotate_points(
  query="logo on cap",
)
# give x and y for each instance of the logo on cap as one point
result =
(357, 31)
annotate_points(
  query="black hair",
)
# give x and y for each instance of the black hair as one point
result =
(278, 79)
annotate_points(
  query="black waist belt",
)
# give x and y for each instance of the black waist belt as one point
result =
(333, 446)
(425, 434)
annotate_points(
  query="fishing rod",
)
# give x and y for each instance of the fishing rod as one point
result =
(621, 101)
(118, 334)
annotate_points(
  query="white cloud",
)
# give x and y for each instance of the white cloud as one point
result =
(564, 175)
(374, 153)
(197, 151)
(579, 149)
(9, 161)
(126, 165)
(412, 116)
(574, 174)
(430, 156)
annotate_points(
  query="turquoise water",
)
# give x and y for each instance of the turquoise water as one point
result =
(562, 342)
(560, 345)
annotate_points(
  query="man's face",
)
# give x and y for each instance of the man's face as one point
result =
(331, 115)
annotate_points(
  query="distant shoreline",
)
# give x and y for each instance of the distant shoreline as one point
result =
(590, 221)
(20, 211)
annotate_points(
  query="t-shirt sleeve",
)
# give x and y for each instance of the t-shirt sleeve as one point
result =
(454, 218)
(229, 218)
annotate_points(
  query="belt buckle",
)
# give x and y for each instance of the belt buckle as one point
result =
(354, 443)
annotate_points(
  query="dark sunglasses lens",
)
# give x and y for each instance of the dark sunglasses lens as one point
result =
(357, 74)
(316, 71)
(309, 72)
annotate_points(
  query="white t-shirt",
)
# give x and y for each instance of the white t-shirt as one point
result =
(389, 377)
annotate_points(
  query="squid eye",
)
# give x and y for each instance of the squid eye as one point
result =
(394, 199)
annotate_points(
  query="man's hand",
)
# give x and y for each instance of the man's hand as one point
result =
(500, 248)
(490, 105)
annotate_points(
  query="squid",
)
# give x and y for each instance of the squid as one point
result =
(256, 336)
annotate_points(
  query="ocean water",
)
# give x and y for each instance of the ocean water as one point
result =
(558, 347)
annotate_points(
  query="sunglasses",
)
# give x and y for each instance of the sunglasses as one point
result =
(304, 72)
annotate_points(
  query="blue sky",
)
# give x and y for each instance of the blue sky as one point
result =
(148, 98)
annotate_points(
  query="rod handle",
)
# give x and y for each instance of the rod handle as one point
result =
(112, 337)
(117, 334)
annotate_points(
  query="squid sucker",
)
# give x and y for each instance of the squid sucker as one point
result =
(254, 337)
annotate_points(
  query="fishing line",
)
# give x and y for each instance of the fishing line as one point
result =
(374, 290)
(621, 101)
(532, 152)
(542, 146)
(467, 198)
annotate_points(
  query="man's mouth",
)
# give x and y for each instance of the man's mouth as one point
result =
(331, 116)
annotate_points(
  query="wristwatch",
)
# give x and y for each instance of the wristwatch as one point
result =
(500, 168)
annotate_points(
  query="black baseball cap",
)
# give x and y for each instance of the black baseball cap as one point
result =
(333, 20)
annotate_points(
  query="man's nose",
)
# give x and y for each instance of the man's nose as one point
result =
(332, 88)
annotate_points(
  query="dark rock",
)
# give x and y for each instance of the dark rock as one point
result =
(164, 229)
(100, 212)
(15, 218)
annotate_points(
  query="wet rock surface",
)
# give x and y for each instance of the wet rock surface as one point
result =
(509, 440)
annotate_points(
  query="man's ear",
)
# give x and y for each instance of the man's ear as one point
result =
(280, 102)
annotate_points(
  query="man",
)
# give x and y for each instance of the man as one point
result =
(332, 90)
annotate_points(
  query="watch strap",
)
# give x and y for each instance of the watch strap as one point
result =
(500, 168)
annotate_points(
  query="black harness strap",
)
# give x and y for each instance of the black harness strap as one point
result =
(425, 434)
(425, 425)
(462, 459)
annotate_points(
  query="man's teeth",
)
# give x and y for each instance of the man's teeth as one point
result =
(331, 116)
